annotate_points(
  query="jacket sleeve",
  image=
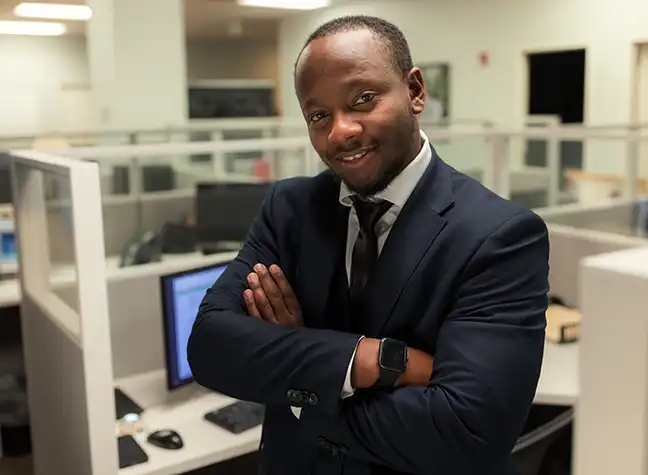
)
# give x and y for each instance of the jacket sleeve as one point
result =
(487, 365)
(250, 359)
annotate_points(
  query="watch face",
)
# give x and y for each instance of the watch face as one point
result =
(393, 355)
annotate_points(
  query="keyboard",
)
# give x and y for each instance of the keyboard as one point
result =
(237, 417)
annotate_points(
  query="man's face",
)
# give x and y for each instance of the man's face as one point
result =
(360, 111)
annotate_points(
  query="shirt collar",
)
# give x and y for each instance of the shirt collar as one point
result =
(400, 189)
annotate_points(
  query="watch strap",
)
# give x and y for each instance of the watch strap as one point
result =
(387, 378)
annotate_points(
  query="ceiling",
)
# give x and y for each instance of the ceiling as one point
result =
(204, 19)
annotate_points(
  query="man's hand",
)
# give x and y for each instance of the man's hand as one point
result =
(271, 298)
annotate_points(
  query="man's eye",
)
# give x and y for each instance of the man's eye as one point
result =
(316, 117)
(367, 97)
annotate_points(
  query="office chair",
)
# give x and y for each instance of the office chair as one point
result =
(537, 451)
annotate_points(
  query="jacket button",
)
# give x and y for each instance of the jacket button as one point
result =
(312, 399)
(335, 452)
(323, 444)
(294, 396)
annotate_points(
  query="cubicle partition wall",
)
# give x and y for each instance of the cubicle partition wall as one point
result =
(139, 195)
(66, 333)
(577, 232)
(611, 433)
(139, 210)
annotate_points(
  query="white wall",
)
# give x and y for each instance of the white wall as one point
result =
(458, 31)
(39, 79)
(44, 82)
(232, 59)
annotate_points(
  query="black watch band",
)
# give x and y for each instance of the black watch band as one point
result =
(392, 360)
(387, 379)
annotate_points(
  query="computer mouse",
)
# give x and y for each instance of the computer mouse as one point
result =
(166, 439)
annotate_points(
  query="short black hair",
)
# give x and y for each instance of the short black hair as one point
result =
(388, 33)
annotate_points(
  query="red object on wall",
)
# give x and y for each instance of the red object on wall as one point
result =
(484, 58)
(261, 169)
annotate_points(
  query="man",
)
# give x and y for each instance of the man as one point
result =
(422, 361)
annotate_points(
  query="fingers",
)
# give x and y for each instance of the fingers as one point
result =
(252, 310)
(261, 301)
(290, 299)
(272, 292)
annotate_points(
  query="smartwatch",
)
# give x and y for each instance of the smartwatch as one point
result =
(392, 359)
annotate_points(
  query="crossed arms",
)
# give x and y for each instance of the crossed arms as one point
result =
(463, 419)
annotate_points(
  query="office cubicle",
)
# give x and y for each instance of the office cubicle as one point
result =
(61, 220)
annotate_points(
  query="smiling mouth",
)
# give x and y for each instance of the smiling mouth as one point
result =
(355, 157)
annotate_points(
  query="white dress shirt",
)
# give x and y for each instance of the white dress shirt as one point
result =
(397, 193)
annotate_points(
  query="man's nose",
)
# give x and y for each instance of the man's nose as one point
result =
(344, 129)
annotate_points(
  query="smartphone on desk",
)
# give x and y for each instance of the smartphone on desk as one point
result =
(130, 452)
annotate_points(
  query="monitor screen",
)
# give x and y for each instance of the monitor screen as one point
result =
(225, 211)
(182, 294)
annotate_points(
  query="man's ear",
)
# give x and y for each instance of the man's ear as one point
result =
(416, 90)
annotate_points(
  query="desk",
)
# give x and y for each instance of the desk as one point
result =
(204, 443)
(559, 380)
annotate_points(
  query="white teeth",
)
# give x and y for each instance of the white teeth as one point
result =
(355, 157)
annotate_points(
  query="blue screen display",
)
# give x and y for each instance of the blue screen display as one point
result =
(184, 293)
(7, 246)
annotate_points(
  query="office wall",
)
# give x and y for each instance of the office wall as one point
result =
(459, 31)
(39, 83)
(232, 59)
(44, 82)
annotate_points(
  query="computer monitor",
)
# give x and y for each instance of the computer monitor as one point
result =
(158, 178)
(181, 296)
(224, 211)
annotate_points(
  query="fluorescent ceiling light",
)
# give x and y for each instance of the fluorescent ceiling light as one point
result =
(286, 4)
(53, 11)
(32, 28)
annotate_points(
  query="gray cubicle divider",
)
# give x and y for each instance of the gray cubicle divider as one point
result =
(67, 349)
(569, 246)
(124, 217)
(577, 231)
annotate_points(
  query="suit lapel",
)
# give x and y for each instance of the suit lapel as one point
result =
(323, 239)
(415, 230)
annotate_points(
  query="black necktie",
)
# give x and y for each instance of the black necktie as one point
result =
(365, 251)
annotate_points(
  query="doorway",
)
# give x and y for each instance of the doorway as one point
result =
(556, 86)
(639, 104)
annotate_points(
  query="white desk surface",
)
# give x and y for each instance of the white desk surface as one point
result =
(204, 443)
(559, 381)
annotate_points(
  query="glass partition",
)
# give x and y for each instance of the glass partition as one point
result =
(60, 225)
(148, 188)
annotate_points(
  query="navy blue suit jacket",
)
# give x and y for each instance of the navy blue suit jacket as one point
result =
(462, 276)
